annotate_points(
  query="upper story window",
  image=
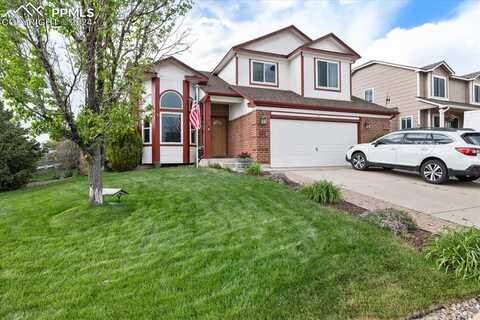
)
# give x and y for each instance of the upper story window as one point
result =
(263, 72)
(327, 74)
(406, 122)
(171, 100)
(476, 93)
(368, 95)
(439, 86)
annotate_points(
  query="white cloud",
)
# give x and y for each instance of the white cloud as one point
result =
(455, 40)
(358, 23)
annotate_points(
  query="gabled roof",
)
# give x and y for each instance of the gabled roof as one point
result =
(435, 65)
(181, 64)
(330, 35)
(290, 28)
(471, 76)
(217, 86)
(449, 103)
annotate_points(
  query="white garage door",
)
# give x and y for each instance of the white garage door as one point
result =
(299, 143)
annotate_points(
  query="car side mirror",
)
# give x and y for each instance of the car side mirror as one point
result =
(377, 143)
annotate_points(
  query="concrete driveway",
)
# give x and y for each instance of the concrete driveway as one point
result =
(457, 201)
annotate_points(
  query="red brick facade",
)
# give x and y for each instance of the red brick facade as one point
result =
(250, 133)
(372, 128)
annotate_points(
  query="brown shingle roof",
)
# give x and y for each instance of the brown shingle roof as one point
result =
(217, 85)
(286, 98)
(471, 75)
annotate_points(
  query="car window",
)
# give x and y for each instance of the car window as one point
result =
(472, 138)
(418, 138)
(441, 139)
(392, 139)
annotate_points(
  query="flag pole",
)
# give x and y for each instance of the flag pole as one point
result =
(199, 117)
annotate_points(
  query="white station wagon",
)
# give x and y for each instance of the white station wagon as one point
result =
(437, 154)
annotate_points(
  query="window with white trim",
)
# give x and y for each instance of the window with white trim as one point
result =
(264, 72)
(406, 122)
(327, 74)
(171, 127)
(439, 86)
(171, 100)
(476, 93)
(368, 95)
(146, 132)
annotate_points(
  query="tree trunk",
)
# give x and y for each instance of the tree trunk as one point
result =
(95, 175)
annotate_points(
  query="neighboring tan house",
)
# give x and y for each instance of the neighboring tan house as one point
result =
(283, 98)
(430, 96)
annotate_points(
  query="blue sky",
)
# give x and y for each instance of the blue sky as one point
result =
(416, 32)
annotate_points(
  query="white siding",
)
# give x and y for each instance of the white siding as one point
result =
(244, 71)
(228, 72)
(282, 43)
(171, 154)
(147, 155)
(330, 45)
(236, 110)
(295, 74)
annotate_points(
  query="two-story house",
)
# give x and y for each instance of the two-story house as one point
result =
(284, 98)
(425, 97)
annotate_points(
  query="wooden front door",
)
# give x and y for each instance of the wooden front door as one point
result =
(219, 137)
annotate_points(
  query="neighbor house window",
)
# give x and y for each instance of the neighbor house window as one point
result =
(171, 100)
(171, 127)
(327, 74)
(476, 93)
(146, 132)
(436, 121)
(263, 72)
(439, 87)
(406, 122)
(368, 95)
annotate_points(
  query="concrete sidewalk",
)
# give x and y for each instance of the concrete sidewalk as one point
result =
(457, 202)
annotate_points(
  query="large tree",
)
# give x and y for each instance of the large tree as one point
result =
(51, 50)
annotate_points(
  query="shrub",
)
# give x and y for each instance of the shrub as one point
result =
(456, 251)
(124, 150)
(67, 155)
(254, 169)
(399, 222)
(18, 153)
(323, 192)
(244, 155)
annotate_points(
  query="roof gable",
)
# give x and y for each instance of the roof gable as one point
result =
(436, 65)
(330, 42)
(280, 43)
(174, 61)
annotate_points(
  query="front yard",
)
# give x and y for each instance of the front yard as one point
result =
(190, 244)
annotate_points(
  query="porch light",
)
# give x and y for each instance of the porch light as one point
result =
(263, 120)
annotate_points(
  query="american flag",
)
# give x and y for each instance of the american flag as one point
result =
(195, 116)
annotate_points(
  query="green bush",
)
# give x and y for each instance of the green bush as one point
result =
(399, 222)
(254, 169)
(323, 192)
(18, 153)
(456, 251)
(124, 150)
(215, 165)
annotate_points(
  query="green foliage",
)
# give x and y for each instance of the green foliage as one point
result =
(254, 169)
(215, 165)
(456, 251)
(399, 222)
(18, 153)
(323, 192)
(124, 150)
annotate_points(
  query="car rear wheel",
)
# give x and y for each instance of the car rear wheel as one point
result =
(359, 161)
(466, 178)
(434, 171)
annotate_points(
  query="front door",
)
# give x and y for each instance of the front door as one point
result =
(219, 137)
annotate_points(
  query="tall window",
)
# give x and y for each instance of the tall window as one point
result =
(328, 74)
(406, 122)
(146, 133)
(263, 72)
(171, 100)
(368, 95)
(439, 89)
(476, 93)
(171, 127)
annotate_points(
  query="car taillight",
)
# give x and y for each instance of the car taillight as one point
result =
(468, 151)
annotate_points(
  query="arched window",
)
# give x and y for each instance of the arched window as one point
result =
(171, 100)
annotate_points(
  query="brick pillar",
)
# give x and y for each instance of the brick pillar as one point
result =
(156, 121)
(207, 141)
(186, 122)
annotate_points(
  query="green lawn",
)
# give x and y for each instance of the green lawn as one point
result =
(202, 244)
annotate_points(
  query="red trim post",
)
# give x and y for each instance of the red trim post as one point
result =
(186, 122)
(302, 76)
(156, 121)
(207, 142)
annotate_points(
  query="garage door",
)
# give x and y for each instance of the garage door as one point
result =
(300, 143)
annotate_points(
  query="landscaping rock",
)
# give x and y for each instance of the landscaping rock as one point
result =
(466, 310)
